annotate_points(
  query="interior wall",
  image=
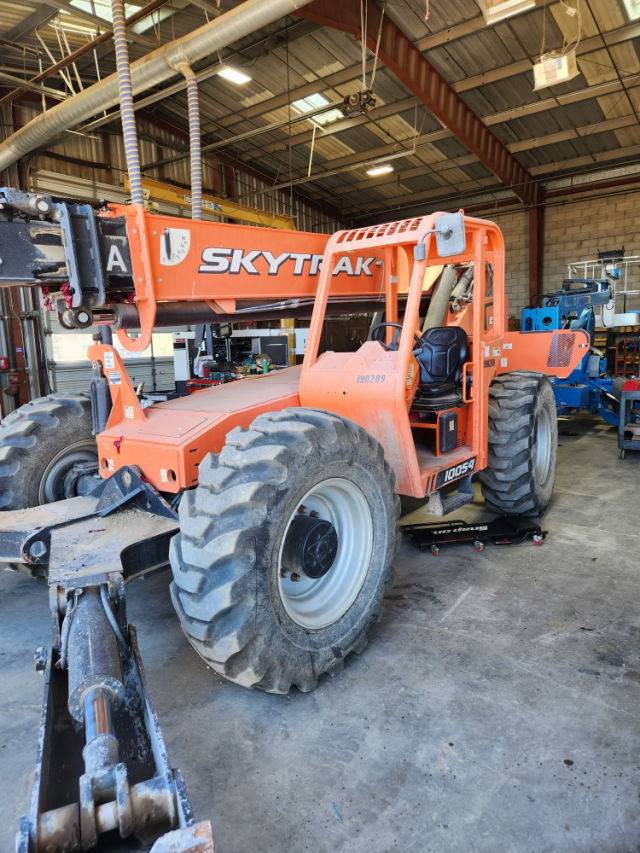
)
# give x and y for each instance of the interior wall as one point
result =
(95, 161)
(575, 229)
(515, 230)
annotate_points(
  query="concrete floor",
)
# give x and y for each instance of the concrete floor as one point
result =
(495, 709)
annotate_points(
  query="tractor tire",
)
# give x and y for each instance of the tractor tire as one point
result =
(39, 444)
(523, 444)
(252, 620)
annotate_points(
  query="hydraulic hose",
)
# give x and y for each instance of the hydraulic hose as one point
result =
(439, 305)
(195, 141)
(125, 89)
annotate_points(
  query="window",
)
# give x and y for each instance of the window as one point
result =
(316, 102)
(102, 9)
(69, 348)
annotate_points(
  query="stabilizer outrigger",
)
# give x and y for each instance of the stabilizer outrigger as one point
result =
(103, 779)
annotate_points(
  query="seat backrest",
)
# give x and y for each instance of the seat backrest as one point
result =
(442, 352)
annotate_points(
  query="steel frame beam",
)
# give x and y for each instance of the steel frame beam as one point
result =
(403, 59)
(536, 250)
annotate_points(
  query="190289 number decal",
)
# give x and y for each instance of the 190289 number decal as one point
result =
(455, 472)
(376, 378)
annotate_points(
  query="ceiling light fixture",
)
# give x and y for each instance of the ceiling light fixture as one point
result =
(377, 171)
(233, 75)
(553, 68)
(498, 10)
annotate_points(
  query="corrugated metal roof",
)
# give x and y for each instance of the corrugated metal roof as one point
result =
(489, 66)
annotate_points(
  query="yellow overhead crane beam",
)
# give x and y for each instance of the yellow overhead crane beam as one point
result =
(212, 205)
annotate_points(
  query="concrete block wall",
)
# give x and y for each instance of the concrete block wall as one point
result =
(574, 230)
(515, 229)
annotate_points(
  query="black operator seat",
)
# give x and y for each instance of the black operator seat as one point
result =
(441, 354)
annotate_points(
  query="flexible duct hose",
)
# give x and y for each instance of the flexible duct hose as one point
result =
(152, 70)
(195, 142)
(129, 134)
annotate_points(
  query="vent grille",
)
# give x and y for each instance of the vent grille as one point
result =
(561, 349)
(387, 229)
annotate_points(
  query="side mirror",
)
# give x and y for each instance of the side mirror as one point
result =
(451, 237)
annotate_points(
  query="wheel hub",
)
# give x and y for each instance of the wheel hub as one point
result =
(60, 479)
(325, 553)
(310, 547)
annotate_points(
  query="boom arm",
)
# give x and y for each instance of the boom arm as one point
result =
(126, 267)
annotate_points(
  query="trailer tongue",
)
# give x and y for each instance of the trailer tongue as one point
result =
(103, 778)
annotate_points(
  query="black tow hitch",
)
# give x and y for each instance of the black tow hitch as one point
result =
(103, 779)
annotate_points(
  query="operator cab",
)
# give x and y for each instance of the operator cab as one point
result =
(416, 376)
(440, 352)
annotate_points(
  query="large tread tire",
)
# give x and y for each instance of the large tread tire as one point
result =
(225, 560)
(519, 480)
(34, 438)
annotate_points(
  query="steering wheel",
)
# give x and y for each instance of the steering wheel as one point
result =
(377, 334)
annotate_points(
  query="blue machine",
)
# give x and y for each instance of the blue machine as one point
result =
(588, 388)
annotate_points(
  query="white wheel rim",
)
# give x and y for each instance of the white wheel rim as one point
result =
(315, 603)
(543, 446)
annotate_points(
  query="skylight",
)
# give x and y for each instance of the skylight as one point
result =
(316, 102)
(632, 8)
(102, 9)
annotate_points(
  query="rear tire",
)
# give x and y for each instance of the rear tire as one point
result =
(39, 444)
(240, 610)
(523, 444)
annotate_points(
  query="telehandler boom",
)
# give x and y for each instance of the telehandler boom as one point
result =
(286, 486)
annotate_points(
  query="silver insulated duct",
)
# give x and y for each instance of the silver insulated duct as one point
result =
(151, 70)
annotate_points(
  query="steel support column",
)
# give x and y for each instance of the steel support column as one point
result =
(536, 252)
(408, 64)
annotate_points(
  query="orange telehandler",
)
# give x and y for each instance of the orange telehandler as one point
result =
(277, 496)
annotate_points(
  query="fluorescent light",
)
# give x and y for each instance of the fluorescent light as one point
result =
(554, 68)
(376, 171)
(233, 75)
(498, 10)
(633, 9)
